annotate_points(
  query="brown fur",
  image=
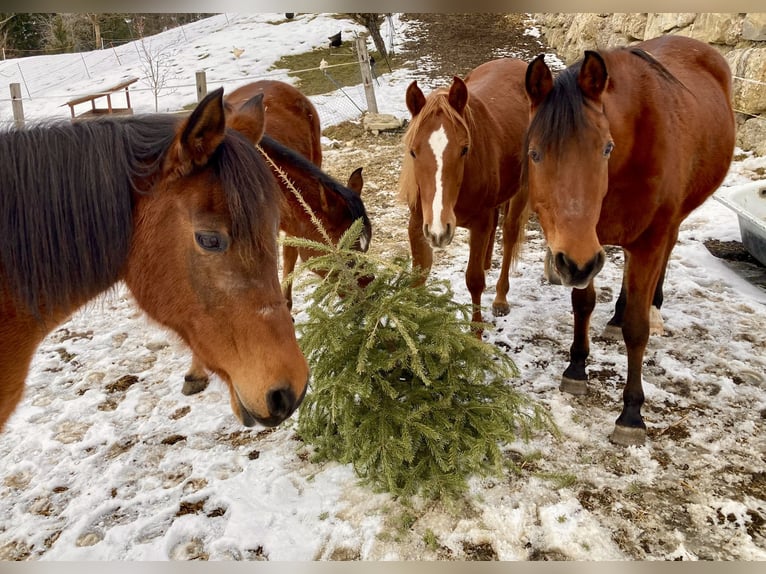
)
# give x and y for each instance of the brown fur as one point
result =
(482, 164)
(665, 104)
(163, 182)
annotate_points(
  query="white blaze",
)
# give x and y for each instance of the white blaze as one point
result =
(438, 143)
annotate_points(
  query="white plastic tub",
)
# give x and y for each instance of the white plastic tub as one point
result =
(748, 201)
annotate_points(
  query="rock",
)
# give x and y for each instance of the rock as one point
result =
(381, 122)
(748, 66)
(754, 27)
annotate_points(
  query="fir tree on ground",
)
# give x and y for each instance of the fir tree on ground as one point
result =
(401, 387)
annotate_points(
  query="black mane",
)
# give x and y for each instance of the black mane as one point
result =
(282, 154)
(66, 201)
(562, 114)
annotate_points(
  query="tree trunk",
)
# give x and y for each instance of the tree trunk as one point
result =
(371, 22)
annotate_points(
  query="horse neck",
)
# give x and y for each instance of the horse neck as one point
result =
(301, 174)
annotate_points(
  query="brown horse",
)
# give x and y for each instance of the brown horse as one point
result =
(185, 211)
(461, 167)
(292, 125)
(621, 147)
(293, 122)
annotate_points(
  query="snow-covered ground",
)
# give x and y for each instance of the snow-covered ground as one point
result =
(105, 459)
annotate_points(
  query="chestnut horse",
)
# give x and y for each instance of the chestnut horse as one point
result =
(621, 147)
(185, 211)
(292, 140)
(461, 167)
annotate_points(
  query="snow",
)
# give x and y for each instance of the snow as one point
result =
(146, 473)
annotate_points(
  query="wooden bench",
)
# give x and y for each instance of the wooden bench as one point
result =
(105, 93)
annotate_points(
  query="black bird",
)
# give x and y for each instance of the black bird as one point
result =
(335, 40)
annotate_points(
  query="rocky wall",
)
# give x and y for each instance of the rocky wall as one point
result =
(741, 37)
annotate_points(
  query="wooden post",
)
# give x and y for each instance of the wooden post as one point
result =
(364, 65)
(18, 107)
(201, 85)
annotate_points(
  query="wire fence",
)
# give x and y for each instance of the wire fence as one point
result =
(332, 109)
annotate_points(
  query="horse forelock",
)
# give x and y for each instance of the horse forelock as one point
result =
(437, 102)
(66, 204)
(252, 196)
(558, 119)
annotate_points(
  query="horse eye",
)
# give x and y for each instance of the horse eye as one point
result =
(412, 153)
(608, 148)
(534, 155)
(464, 150)
(211, 241)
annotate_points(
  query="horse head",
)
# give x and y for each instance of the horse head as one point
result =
(438, 142)
(204, 262)
(568, 147)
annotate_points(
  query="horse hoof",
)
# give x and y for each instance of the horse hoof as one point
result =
(500, 309)
(194, 385)
(627, 436)
(656, 325)
(612, 332)
(573, 386)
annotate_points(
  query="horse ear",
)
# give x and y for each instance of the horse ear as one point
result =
(593, 76)
(415, 98)
(249, 119)
(356, 181)
(538, 81)
(458, 94)
(201, 134)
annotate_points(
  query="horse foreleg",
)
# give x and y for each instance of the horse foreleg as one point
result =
(196, 378)
(20, 339)
(575, 378)
(643, 272)
(475, 278)
(613, 328)
(514, 227)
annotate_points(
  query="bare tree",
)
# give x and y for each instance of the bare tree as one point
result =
(95, 20)
(156, 68)
(4, 19)
(372, 21)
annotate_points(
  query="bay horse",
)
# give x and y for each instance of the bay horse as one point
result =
(184, 211)
(621, 147)
(292, 140)
(461, 168)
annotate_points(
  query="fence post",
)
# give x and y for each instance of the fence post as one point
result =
(18, 107)
(201, 85)
(364, 65)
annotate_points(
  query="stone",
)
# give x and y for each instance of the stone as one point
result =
(381, 122)
(754, 27)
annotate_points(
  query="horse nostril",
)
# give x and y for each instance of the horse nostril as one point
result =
(280, 402)
(449, 230)
(425, 229)
(562, 262)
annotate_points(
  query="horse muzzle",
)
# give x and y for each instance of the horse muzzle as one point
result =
(439, 238)
(281, 403)
(575, 275)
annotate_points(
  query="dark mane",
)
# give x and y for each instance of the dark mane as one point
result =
(657, 66)
(561, 115)
(66, 200)
(282, 154)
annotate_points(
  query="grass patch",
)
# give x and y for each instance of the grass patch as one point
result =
(312, 81)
